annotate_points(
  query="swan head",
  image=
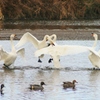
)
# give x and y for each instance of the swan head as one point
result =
(95, 35)
(12, 36)
(46, 38)
(50, 39)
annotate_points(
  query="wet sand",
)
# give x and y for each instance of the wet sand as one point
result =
(62, 34)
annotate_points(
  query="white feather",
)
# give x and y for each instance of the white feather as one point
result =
(10, 57)
(94, 56)
(61, 50)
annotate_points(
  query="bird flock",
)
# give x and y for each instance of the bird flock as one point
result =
(37, 87)
(47, 46)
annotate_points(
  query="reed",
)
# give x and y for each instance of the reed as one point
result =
(50, 9)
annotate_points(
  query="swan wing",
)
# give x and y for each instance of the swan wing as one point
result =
(94, 52)
(99, 52)
(71, 49)
(3, 54)
(62, 50)
(21, 52)
(27, 37)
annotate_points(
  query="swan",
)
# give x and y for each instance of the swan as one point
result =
(10, 57)
(96, 38)
(62, 50)
(28, 37)
(94, 57)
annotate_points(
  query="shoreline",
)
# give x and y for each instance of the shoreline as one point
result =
(62, 34)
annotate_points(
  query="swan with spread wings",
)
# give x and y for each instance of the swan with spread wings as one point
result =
(10, 57)
(38, 44)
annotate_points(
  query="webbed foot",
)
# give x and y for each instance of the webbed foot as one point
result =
(6, 66)
(39, 60)
(50, 60)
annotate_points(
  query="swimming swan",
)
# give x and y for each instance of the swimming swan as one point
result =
(94, 57)
(28, 37)
(61, 50)
(10, 57)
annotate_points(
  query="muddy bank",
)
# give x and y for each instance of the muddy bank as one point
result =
(62, 34)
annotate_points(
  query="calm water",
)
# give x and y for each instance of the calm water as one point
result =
(29, 71)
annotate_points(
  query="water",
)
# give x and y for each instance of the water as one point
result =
(59, 24)
(29, 71)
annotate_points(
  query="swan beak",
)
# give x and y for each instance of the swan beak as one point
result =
(15, 36)
(52, 44)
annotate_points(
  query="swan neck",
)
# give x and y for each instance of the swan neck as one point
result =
(95, 42)
(54, 38)
(12, 45)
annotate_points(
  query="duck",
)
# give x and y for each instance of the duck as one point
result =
(37, 87)
(10, 57)
(1, 90)
(69, 84)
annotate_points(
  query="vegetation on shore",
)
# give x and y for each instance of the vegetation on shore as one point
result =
(49, 9)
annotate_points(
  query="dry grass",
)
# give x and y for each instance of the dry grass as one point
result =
(50, 9)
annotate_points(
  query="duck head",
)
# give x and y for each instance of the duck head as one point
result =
(2, 85)
(42, 83)
(74, 81)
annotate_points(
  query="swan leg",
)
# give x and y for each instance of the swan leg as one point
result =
(5, 66)
(50, 60)
(39, 60)
(40, 57)
(48, 44)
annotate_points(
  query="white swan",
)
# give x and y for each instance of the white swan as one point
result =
(28, 37)
(10, 57)
(96, 38)
(94, 57)
(61, 50)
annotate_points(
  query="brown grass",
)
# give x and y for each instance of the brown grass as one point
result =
(50, 9)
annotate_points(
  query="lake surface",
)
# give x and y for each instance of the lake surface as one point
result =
(28, 71)
(52, 24)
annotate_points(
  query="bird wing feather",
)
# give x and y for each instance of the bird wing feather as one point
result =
(94, 52)
(27, 37)
(62, 50)
(3, 54)
(21, 52)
